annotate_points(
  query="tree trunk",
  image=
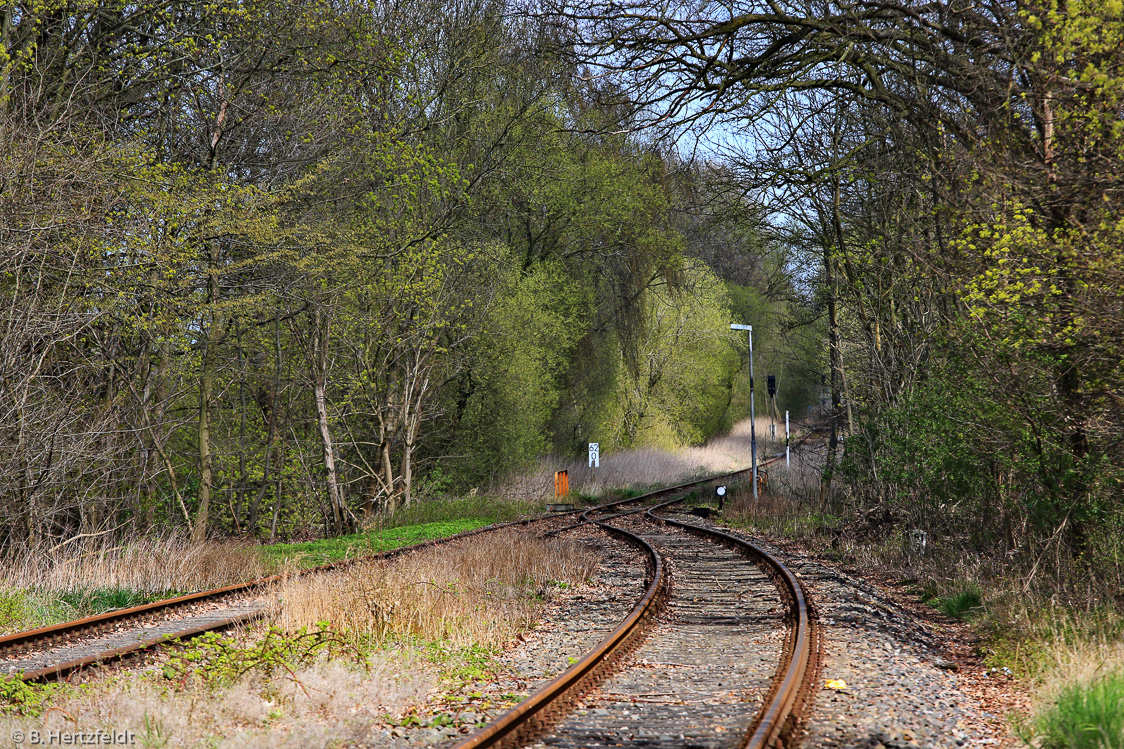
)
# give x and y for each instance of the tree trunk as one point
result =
(831, 247)
(243, 477)
(411, 422)
(199, 531)
(5, 70)
(277, 497)
(206, 395)
(835, 373)
(320, 334)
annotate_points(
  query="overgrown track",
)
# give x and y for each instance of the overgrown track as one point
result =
(81, 643)
(723, 628)
(60, 650)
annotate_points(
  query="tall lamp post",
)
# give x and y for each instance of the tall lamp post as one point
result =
(752, 415)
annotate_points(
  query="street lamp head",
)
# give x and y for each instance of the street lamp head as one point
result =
(735, 326)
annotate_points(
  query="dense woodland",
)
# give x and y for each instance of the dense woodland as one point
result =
(959, 166)
(271, 266)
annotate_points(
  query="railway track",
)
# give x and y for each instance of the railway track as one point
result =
(718, 651)
(69, 649)
(730, 663)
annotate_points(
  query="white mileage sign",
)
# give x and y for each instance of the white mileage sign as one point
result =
(594, 454)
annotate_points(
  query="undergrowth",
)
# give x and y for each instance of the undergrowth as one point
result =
(1084, 715)
(216, 660)
(18, 697)
(1051, 624)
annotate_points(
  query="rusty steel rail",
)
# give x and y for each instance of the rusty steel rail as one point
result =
(54, 634)
(539, 710)
(18, 642)
(795, 677)
(62, 670)
(791, 686)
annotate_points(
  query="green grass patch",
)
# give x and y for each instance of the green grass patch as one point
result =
(421, 521)
(1088, 715)
(1016, 653)
(962, 605)
(312, 553)
(30, 608)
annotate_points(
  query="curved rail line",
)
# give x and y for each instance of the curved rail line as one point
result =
(793, 679)
(60, 634)
(791, 685)
(542, 708)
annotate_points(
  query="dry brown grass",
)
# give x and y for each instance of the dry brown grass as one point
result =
(477, 591)
(646, 467)
(150, 564)
(38, 588)
(790, 504)
(315, 705)
(1068, 660)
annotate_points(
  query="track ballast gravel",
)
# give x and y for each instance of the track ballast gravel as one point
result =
(571, 625)
(702, 673)
(900, 692)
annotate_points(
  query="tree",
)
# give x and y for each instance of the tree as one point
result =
(1004, 119)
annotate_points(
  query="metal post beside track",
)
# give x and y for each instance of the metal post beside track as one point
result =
(752, 413)
(787, 440)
